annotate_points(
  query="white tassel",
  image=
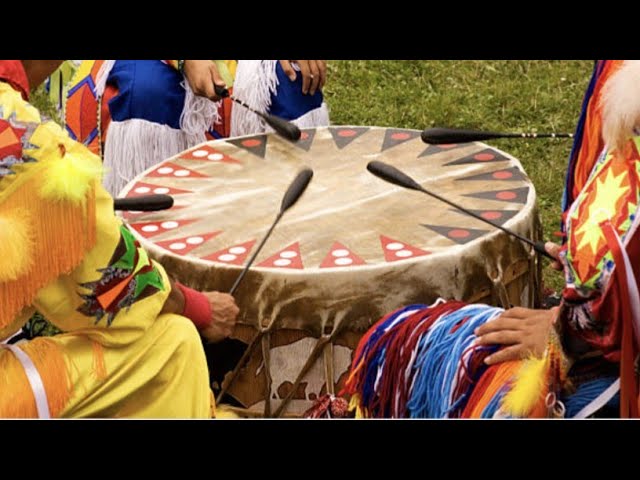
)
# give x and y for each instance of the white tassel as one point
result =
(620, 105)
(199, 114)
(135, 145)
(103, 74)
(318, 117)
(254, 83)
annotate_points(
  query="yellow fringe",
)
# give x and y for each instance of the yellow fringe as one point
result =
(529, 387)
(16, 244)
(62, 233)
(99, 368)
(17, 400)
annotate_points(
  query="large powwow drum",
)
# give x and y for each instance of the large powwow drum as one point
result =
(351, 250)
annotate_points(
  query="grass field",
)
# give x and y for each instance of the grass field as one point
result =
(506, 95)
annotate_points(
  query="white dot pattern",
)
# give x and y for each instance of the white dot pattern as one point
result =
(178, 246)
(169, 225)
(161, 190)
(237, 250)
(182, 173)
(343, 261)
(165, 170)
(215, 157)
(404, 253)
(395, 246)
(282, 262)
(288, 254)
(150, 228)
(195, 240)
(341, 252)
(200, 153)
(227, 257)
(142, 190)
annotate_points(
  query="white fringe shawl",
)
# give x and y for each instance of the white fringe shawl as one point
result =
(255, 82)
(134, 145)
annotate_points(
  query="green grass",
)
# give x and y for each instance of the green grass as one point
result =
(503, 95)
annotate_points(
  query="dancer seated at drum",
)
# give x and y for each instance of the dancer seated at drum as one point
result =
(472, 360)
(154, 109)
(128, 351)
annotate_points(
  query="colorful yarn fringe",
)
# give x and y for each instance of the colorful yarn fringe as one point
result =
(420, 362)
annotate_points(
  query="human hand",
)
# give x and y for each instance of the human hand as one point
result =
(201, 75)
(224, 313)
(553, 249)
(523, 332)
(314, 73)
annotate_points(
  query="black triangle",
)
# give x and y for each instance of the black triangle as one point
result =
(435, 149)
(395, 136)
(496, 216)
(505, 175)
(483, 156)
(456, 234)
(510, 195)
(343, 136)
(256, 145)
(306, 139)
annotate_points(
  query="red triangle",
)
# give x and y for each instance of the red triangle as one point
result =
(208, 154)
(171, 170)
(395, 250)
(339, 256)
(288, 257)
(184, 245)
(141, 188)
(151, 229)
(234, 255)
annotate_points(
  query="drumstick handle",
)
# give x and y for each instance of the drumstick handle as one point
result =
(255, 254)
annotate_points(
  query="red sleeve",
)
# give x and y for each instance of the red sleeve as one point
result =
(12, 72)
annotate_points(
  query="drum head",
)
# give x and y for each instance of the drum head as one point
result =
(228, 192)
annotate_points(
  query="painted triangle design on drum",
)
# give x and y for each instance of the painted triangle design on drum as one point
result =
(483, 156)
(208, 154)
(343, 136)
(184, 245)
(306, 139)
(234, 255)
(141, 189)
(508, 174)
(395, 250)
(513, 195)
(434, 149)
(256, 145)
(172, 170)
(496, 216)
(341, 256)
(151, 229)
(395, 136)
(457, 234)
(288, 257)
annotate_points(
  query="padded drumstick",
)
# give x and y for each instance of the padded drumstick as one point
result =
(291, 196)
(391, 174)
(287, 129)
(148, 203)
(438, 136)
